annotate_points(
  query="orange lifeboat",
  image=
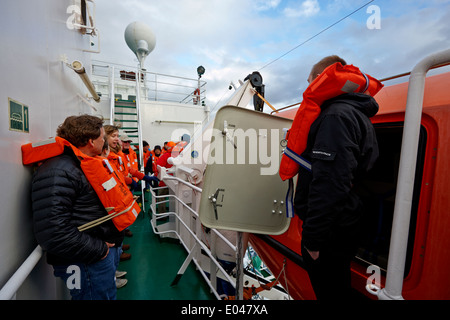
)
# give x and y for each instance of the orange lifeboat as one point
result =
(427, 260)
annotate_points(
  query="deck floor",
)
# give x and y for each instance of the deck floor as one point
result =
(153, 266)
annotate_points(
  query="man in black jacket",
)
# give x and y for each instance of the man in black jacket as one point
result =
(341, 147)
(62, 200)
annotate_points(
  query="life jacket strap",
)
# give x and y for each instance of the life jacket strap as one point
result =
(290, 199)
(290, 193)
(367, 82)
(110, 216)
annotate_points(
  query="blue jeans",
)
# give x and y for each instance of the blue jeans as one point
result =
(94, 281)
(117, 256)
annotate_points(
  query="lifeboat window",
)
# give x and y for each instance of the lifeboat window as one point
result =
(377, 192)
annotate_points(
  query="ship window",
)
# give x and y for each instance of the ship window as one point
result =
(377, 192)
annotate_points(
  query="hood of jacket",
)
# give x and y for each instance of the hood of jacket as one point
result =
(360, 101)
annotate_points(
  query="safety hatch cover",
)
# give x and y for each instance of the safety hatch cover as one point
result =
(242, 190)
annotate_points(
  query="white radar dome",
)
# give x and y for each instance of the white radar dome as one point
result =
(140, 39)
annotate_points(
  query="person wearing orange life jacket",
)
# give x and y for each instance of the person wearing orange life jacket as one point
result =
(331, 145)
(164, 148)
(120, 282)
(131, 162)
(107, 182)
(63, 199)
(179, 146)
(173, 149)
(115, 156)
(162, 162)
(131, 159)
(147, 153)
(121, 160)
(156, 153)
(118, 159)
(148, 164)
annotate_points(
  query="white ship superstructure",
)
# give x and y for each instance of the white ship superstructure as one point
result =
(172, 107)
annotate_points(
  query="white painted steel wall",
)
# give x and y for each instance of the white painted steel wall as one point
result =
(165, 121)
(33, 39)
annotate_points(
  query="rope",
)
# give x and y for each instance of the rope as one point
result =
(282, 271)
(330, 26)
(104, 219)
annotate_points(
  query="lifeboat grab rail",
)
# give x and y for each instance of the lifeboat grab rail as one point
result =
(406, 176)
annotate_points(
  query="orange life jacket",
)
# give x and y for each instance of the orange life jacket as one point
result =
(104, 179)
(154, 160)
(332, 82)
(132, 159)
(127, 173)
(131, 162)
(118, 162)
(147, 155)
(179, 147)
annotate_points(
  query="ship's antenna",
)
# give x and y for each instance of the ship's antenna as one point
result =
(141, 40)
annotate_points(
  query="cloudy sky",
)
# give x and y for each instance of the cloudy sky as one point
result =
(281, 39)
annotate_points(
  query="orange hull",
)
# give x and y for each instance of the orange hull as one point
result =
(427, 275)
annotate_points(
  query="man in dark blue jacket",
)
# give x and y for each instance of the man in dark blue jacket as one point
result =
(62, 200)
(341, 147)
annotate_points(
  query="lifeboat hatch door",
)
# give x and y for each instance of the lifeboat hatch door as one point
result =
(242, 190)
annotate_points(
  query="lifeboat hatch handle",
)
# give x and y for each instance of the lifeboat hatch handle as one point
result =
(213, 199)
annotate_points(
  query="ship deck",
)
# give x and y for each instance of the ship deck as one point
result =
(154, 264)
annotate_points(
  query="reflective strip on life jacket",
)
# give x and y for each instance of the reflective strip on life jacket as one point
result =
(117, 163)
(108, 165)
(297, 158)
(39, 151)
(104, 179)
(332, 82)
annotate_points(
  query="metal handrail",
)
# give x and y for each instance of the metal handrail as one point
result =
(151, 81)
(193, 235)
(232, 246)
(139, 128)
(111, 96)
(406, 175)
(15, 282)
(185, 183)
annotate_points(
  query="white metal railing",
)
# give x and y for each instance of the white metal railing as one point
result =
(155, 86)
(185, 183)
(111, 96)
(139, 128)
(198, 242)
(232, 246)
(9, 290)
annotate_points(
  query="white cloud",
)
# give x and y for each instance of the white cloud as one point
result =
(306, 9)
(232, 38)
(263, 5)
